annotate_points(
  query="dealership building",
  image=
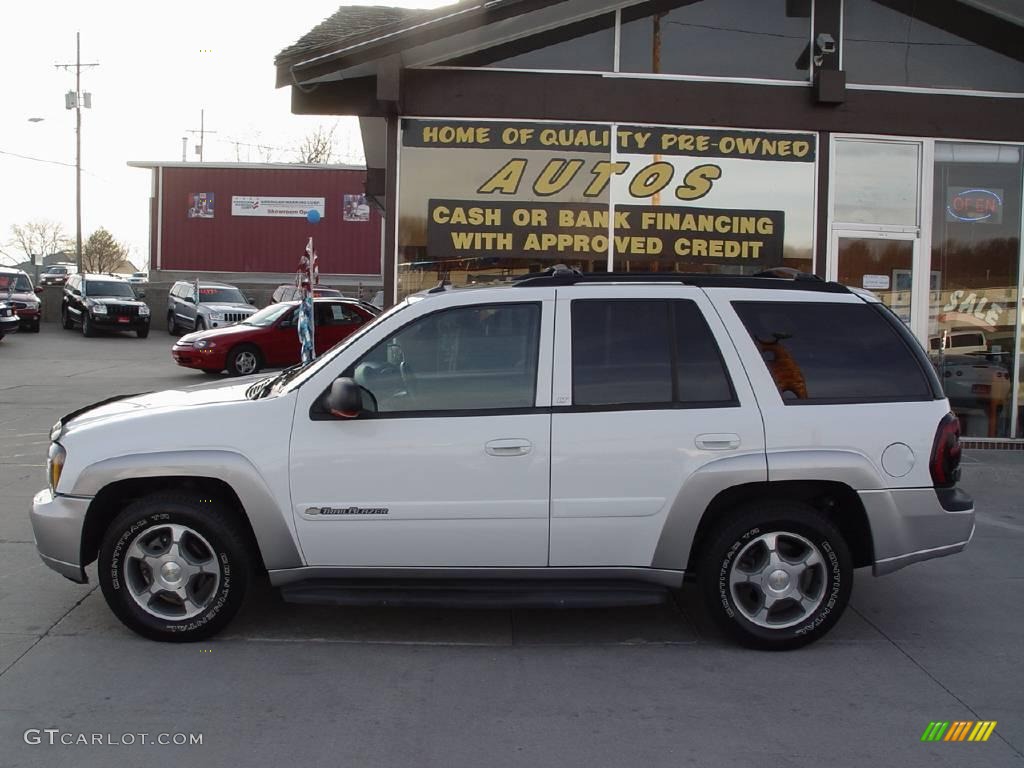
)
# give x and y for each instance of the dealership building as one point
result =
(875, 142)
(249, 223)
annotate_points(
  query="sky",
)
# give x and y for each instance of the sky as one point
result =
(160, 64)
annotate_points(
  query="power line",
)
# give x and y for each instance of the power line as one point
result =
(36, 159)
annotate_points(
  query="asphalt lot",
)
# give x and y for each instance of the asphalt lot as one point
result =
(308, 686)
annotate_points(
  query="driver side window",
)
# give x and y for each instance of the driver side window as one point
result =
(465, 358)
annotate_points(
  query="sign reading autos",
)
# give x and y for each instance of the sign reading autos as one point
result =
(288, 207)
(553, 190)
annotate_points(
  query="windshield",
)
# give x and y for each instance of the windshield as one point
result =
(113, 288)
(57, 270)
(268, 315)
(294, 376)
(213, 295)
(15, 284)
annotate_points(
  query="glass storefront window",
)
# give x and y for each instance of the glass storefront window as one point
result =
(481, 201)
(876, 182)
(883, 46)
(585, 46)
(688, 38)
(973, 324)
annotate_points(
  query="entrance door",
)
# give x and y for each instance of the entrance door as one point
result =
(886, 264)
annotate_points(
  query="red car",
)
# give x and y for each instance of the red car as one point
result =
(268, 339)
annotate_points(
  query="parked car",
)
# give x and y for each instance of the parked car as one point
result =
(8, 320)
(269, 338)
(16, 290)
(220, 305)
(294, 293)
(565, 439)
(56, 274)
(103, 303)
(137, 278)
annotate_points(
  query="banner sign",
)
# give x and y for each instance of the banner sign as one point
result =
(461, 229)
(629, 140)
(289, 207)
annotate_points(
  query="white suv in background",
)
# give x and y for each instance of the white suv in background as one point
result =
(567, 439)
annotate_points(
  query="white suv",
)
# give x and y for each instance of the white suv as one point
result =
(566, 439)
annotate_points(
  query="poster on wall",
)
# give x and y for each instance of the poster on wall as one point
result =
(626, 195)
(200, 205)
(356, 208)
(285, 207)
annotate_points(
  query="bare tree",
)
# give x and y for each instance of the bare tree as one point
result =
(39, 238)
(102, 253)
(318, 147)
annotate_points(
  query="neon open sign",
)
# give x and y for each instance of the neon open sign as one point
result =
(974, 204)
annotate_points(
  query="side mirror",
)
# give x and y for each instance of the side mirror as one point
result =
(140, 293)
(251, 300)
(344, 399)
(39, 290)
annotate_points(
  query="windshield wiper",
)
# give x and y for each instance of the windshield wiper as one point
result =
(260, 388)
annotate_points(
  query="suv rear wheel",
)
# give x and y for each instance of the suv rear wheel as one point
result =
(776, 576)
(174, 567)
(172, 324)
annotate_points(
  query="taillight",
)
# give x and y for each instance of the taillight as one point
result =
(945, 462)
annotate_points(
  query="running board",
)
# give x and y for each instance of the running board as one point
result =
(474, 594)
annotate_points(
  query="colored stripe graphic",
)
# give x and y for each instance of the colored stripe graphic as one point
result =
(959, 730)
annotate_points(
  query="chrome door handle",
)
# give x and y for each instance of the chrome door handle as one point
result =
(508, 447)
(718, 442)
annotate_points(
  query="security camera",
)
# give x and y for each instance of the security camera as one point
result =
(824, 43)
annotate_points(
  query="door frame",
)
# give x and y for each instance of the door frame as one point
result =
(919, 290)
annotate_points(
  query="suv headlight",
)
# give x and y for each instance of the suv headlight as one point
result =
(98, 309)
(144, 311)
(216, 317)
(55, 464)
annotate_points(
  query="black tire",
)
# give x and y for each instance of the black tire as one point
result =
(214, 522)
(172, 324)
(34, 328)
(238, 353)
(727, 549)
(65, 320)
(87, 327)
(200, 324)
(142, 333)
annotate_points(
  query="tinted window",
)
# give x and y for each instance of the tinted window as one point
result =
(700, 370)
(833, 352)
(624, 352)
(467, 358)
(621, 352)
(336, 314)
(15, 283)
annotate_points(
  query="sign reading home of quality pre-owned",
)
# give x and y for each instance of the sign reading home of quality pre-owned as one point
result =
(628, 139)
(459, 229)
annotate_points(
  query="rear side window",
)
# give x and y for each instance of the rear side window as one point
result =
(645, 353)
(833, 353)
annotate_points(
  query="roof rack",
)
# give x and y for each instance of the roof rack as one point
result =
(780, 278)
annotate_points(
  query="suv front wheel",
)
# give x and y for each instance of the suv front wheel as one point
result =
(174, 567)
(776, 576)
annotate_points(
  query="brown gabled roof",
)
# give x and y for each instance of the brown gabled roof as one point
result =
(348, 24)
(357, 33)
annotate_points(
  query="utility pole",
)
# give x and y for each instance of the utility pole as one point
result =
(202, 133)
(73, 100)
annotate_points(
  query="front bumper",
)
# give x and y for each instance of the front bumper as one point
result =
(910, 525)
(204, 359)
(9, 325)
(57, 527)
(28, 317)
(120, 323)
